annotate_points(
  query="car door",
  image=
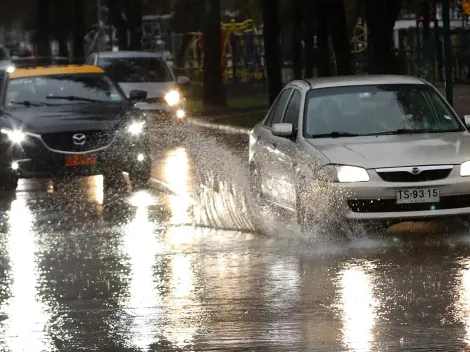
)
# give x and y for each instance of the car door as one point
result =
(285, 154)
(267, 147)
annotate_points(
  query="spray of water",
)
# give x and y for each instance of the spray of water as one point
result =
(223, 198)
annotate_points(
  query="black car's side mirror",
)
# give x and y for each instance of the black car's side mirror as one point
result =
(137, 95)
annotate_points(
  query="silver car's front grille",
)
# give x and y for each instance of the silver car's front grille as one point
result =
(415, 174)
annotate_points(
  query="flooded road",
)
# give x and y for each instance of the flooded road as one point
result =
(178, 267)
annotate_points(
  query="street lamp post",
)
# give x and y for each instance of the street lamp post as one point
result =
(447, 51)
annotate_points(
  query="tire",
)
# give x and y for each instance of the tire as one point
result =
(256, 202)
(112, 180)
(8, 182)
(255, 185)
(140, 178)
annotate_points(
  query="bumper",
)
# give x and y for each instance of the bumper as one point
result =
(163, 111)
(376, 199)
(34, 159)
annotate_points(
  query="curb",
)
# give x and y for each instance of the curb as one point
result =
(218, 126)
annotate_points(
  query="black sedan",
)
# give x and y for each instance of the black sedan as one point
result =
(66, 121)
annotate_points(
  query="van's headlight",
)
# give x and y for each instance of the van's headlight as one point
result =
(136, 128)
(14, 136)
(352, 174)
(172, 98)
(465, 169)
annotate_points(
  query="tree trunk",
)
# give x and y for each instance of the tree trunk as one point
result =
(43, 33)
(297, 38)
(381, 16)
(339, 35)
(133, 12)
(213, 93)
(61, 26)
(272, 48)
(426, 13)
(79, 30)
(181, 54)
(308, 39)
(323, 43)
(116, 10)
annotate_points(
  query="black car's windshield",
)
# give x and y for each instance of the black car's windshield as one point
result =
(136, 69)
(61, 89)
(377, 109)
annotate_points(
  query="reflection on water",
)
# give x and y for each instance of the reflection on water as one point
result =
(144, 304)
(358, 306)
(463, 302)
(177, 176)
(27, 318)
(181, 302)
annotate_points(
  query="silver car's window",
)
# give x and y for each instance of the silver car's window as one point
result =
(136, 69)
(377, 109)
(293, 109)
(277, 113)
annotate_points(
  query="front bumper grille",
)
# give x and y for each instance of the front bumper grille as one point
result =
(65, 141)
(155, 100)
(404, 176)
(390, 205)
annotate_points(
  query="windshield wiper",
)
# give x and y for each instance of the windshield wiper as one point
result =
(29, 103)
(336, 134)
(409, 131)
(74, 98)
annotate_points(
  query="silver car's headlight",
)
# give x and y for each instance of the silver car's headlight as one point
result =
(136, 128)
(343, 174)
(14, 136)
(465, 169)
(172, 98)
(352, 174)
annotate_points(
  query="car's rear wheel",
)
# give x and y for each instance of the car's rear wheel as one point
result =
(255, 185)
(8, 182)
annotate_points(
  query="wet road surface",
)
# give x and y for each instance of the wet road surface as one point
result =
(177, 267)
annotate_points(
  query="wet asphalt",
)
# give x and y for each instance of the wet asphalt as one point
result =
(178, 267)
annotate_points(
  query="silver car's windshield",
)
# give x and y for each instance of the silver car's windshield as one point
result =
(377, 109)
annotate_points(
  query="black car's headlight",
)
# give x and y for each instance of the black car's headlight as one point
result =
(15, 136)
(136, 127)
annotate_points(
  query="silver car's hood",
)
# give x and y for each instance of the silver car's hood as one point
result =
(396, 150)
(153, 89)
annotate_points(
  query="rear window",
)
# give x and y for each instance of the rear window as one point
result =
(3, 54)
(136, 69)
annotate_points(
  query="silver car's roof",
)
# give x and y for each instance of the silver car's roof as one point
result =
(127, 54)
(341, 81)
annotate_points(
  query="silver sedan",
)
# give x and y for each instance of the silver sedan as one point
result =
(378, 149)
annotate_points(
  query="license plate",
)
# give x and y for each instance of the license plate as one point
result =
(80, 159)
(418, 195)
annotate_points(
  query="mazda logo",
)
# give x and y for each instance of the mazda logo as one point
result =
(79, 139)
(415, 171)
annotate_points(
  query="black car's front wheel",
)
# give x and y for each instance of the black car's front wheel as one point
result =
(8, 182)
(141, 176)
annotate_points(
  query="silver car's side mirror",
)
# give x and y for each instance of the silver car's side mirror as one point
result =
(282, 129)
(183, 80)
(466, 120)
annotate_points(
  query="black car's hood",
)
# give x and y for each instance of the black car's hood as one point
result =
(67, 117)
